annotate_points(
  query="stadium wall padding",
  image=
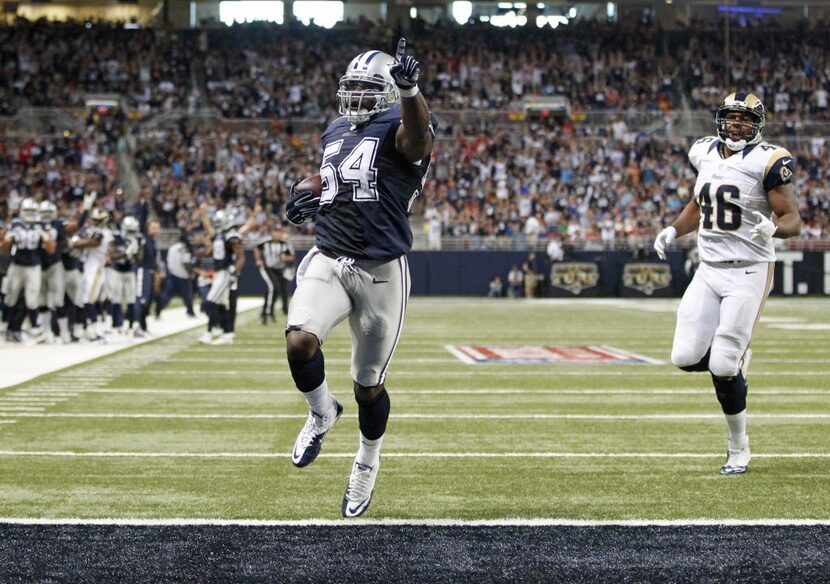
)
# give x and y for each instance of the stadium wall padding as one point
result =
(468, 273)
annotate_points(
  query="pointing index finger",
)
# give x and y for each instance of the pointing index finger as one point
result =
(401, 49)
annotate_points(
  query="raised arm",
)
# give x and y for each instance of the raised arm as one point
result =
(414, 136)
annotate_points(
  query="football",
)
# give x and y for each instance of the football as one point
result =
(311, 183)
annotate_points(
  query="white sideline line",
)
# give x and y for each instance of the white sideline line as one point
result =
(163, 416)
(478, 391)
(684, 455)
(8, 421)
(359, 522)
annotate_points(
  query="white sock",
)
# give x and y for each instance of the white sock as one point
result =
(320, 400)
(63, 327)
(369, 451)
(737, 430)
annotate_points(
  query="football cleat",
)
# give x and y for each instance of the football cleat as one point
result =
(745, 362)
(737, 461)
(310, 440)
(206, 338)
(225, 339)
(361, 487)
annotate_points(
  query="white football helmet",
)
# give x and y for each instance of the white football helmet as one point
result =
(129, 226)
(222, 220)
(741, 102)
(367, 87)
(47, 211)
(28, 211)
(99, 216)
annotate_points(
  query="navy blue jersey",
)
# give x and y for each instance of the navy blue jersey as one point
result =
(28, 243)
(123, 252)
(57, 231)
(368, 189)
(223, 256)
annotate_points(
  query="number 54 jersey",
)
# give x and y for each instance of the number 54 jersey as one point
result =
(729, 190)
(368, 189)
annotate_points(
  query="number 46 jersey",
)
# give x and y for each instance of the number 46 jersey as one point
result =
(368, 189)
(729, 190)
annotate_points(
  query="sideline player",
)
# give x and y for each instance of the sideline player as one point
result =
(94, 243)
(375, 161)
(740, 180)
(225, 246)
(28, 241)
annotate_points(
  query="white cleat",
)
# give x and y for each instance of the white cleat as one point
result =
(310, 440)
(225, 339)
(745, 363)
(737, 461)
(361, 487)
(207, 338)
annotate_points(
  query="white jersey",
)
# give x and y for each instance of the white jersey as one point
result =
(96, 256)
(729, 190)
(178, 260)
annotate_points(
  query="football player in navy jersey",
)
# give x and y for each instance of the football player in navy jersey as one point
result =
(28, 241)
(225, 245)
(375, 161)
(743, 197)
(125, 256)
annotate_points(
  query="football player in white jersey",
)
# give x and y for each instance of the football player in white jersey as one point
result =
(743, 198)
(95, 244)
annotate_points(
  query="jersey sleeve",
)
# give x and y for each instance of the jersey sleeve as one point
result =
(698, 151)
(779, 170)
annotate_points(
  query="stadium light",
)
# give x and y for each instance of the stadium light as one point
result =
(325, 13)
(462, 11)
(251, 11)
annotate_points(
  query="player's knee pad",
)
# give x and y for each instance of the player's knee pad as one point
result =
(308, 373)
(686, 360)
(373, 412)
(731, 392)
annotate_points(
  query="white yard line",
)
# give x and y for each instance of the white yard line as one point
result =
(680, 455)
(404, 416)
(484, 369)
(358, 522)
(46, 392)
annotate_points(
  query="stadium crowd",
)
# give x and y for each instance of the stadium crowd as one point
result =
(584, 182)
(263, 70)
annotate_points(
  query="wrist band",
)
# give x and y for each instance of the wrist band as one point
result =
(411, 92)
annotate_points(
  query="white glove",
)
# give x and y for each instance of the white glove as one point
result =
(89, 200)
(765, 228)
(663, 240)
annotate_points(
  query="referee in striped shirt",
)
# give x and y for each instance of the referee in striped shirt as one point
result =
(274, 258)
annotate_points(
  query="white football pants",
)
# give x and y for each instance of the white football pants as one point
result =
(719, 310)
(372, 294)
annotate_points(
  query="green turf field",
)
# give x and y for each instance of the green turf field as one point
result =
(174, 429)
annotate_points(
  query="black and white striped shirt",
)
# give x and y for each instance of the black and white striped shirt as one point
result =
(272, 252)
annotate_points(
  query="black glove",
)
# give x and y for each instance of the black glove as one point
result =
(301, 205)
(406, 70)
